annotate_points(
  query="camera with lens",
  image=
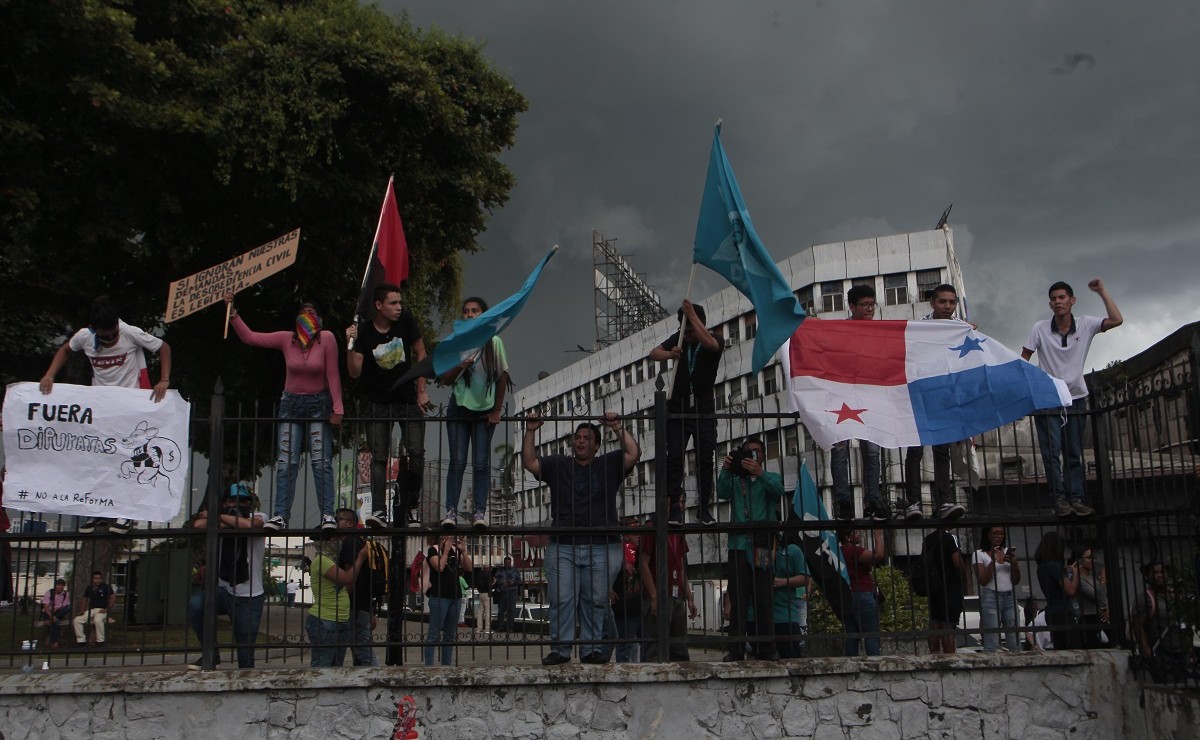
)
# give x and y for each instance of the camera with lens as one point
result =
(737, 456)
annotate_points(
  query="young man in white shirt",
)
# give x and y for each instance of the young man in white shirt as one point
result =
(1063, 341)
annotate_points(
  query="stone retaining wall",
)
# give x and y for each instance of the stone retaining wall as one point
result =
(1054, 695)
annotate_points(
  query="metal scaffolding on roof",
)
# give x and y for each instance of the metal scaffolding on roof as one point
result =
(625, 304)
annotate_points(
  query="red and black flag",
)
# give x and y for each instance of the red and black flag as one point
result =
(389, 255)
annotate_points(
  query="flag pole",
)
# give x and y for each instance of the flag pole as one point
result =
(228, 316)
(371, 254)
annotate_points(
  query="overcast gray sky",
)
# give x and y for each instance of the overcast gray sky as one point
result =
(1067, 135)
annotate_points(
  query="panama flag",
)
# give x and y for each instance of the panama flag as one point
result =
(909, 383)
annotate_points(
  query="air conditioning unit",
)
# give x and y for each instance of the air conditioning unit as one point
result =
(607, 389)
(729, 342)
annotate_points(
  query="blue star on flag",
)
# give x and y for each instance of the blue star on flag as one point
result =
(970, 344)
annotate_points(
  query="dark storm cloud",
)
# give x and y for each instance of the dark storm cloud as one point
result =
(1063, 132)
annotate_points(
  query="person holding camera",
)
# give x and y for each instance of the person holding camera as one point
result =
(448, 560)
(753, 494)
(998, 571)
(239, 591)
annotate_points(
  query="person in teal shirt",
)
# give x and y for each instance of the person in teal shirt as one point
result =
(753, 494)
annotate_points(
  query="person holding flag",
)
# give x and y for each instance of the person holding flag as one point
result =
(697, 358)
(311, 402)
(380, 353)
(480, 383)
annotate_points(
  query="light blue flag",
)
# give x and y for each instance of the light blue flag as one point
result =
(471, 335)
(727, 244)
(821, 550)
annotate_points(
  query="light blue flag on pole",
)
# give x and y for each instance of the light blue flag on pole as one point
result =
(727, 244)
(471, 335)
(821, 550)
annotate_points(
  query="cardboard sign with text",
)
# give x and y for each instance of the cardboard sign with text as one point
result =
(207, 287)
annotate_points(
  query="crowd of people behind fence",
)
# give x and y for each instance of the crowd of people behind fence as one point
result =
(602, 588)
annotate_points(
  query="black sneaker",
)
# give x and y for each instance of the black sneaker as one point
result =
(89, 525)
(950, 511)
(594, 659)
(843, 510)
(275, 523)
(555, 659)
(414, 518)
(707, 519)
(880, 511)
(120, 526)
(376, 520)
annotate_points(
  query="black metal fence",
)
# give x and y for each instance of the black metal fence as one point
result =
(1141, 476)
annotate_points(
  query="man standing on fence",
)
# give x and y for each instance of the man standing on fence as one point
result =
(944, 301)
(239, 575)
(697, 357)
(862, 308)
(1063, 341)
(97, 599)
(383, 350)
(580, 568)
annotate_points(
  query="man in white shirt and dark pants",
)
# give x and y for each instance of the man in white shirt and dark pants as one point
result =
(1063, 342)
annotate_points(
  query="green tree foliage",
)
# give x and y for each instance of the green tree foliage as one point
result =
(143, 140)
(902, 611)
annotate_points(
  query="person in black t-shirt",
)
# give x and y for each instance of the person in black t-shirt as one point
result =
(697, 359)
(383, 350)
(362, 599)
(97, 599)
(947, 575)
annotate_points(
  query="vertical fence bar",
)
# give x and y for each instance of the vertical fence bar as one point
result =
(216, 456)
(662, 494)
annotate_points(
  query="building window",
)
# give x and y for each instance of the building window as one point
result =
(805, 296)
(791, 441)
(927, 280)
(751, 387)
(770, 381)
(832, 298)
(628, 376)
(773, 445)
(641, 372)
(895, 289)
(733, 331)
(751, 325)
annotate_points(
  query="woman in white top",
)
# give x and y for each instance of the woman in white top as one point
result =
(998, 572)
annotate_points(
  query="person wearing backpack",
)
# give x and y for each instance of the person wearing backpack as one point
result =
(363, 593)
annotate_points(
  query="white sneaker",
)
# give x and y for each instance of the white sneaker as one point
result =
(913, 512)
(121, 526)
(275, 523)
(479, 521)
(328, 523)
(376, 520)
(950, 511)
(450, 520)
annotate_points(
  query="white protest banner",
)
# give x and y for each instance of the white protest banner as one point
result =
(95, 451)
(190, 294)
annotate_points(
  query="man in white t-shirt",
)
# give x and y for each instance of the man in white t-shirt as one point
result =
(1063, 342)
(117, 354)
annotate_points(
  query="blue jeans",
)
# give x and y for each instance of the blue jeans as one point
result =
(379, 440)
(863, 616)
(324, 639)
(360, 625)
(244, 611)
(443, 628)
(579, 578)
(839, 464)
(310, 413)
(466, 428)
(997, 608)
(1061, 440)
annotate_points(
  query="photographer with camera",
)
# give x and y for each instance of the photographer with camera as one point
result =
(753, 495)
(240, 574)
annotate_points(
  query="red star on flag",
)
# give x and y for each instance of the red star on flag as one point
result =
(845, 413)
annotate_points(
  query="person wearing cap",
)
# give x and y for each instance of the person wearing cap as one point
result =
(56, 608)
(239, 592)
